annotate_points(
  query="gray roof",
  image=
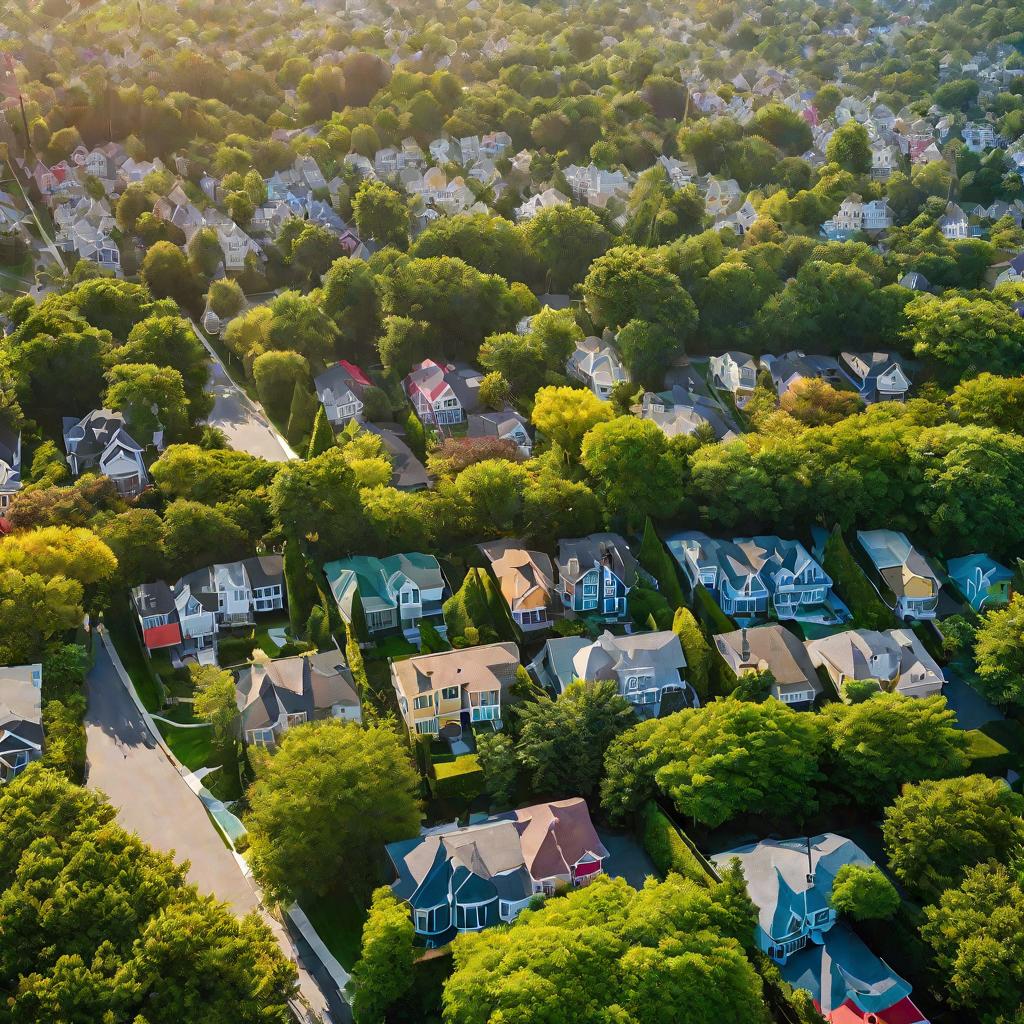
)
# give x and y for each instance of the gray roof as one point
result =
(578, 555)
(608, 655)
(153, 598)
(407, 472)
(770, 647)
(99, 428)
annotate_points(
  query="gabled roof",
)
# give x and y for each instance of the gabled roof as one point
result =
(770, 647)
(578, 555)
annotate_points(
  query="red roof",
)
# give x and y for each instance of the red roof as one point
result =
(903, 1012)
(162, 636)
(355, 373)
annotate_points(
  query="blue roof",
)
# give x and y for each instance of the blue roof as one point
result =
(960, 567)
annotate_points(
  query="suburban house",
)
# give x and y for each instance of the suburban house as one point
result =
(396, 592)
(644, 666)
(684, 412)
(187, 615)
(735, 372)
(338, 389)
(596, 363)
(275, 695)
(896, 658)
(880, 376)
(982, 580)
(467, 879)
(432, 395)
(10, 464)
(457, 688)
(775, 649)
(790, 883)
(507, 425)
(100, 442)
(905, 571)
(595, 574)
(407, 472)
(526, 580)
(797, 586)
(21, 718)
(724, 569)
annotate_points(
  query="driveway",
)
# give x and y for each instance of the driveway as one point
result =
(628, 859)
(154, 801)
(972, 710)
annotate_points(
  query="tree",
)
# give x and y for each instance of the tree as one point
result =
(495, 391)
(214, 699)
(863, 893)
(850, 147)
(633, 470)
(403, 343)
(134, 202)
(74, 553)
(352, 300)
(167, 274)
(990, 401)
(398, 520)
(384, 972)
(496, 753)
(562, 742)
(656, 560)
(336, 788)
(67, 874)
(782, 127)
(277, 374)
(518, 359)
(815, 402)
(728, 758)
(566, 239)
(34, 608)
(962, 336)
(754, 685)
(323, 435)
(630, 283)
(302, 412)
(151, 397)
(696, 650)
(299, 324)
(197, 535)
(491, 244)
(565, 415)
(670, 951)
(313, 251)
(976, 933)
(381, 213)
(999, 652)
(878, 745)
(647, 349)
(225, 298)
(936, 830)
(210, 476)
(204, 252)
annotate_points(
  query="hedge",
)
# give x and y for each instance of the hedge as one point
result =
(648, 608)
(667, 848)
(868, 609)
(706, 607)
(660, 564)
(234, 650)
(461, 779)
(65, 736)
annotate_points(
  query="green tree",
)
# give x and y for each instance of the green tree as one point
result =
(384, 972)
(301, 412)
(782, 127)
(225, 298)
(381, 213)
(878, 745)
(850, 147)
(863, 893)
(755, 686)
(204, 252)
(196, 535)
(352, 300)
(302, 592)
(990, 401)
(277, 374)
(336, 788)
(999, 652)
(658, 562)
(697, 651)
(151, 397)
(215, 699)
(518, 358)
(323, 435)
(403, 343)
(647, 349)
(670, 951)
(814, 402)
(936, 830)
(167, 274)
(562, 742)
(565, 415)
(495, 391)
(298, 323)
(496, 753)
(976, 933)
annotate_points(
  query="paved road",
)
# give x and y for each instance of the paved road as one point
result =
(972, 709)
(153, 800)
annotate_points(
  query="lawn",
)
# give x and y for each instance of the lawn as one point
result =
(338, 920)
(129, 648)
(192, 747)
(391, 647)
(996, 748)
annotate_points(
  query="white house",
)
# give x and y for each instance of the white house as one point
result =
(100, 442)
(735, 372)
(596, 363)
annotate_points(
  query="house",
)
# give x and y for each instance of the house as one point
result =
(796, 583)
(982, 580)
(507, 425)
(467, 879)
(595, 574)
(407, 472)
(980, 137)
(526, 580)
(953, 223)
(913, 585)
(724, 569)
(21, 718)
(884, 160)
(10, 465)
(596, 363)
(100, 442)
(185, 617)
(790, 883)
(735, 372)
(644, 666)
(432, 395)
(396, 592)
(236, 245)
(338, 389)
(684, 412)
(457, 688)
(542, 201)
(275, 695)
(896, 658)
(775, 649)
(879, 376)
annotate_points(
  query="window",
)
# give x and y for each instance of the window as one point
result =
(423, 921)
(470, 918)
(428, 726)
(261, 737)
(450, 693)
(632, 684)
(297, 719)
(423, 702)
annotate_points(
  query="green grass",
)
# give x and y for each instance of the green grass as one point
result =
(339, 920)
(192, 747)
(129, 648)
(391, 647)
(996, 748)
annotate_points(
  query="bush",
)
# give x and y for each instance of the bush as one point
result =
(667, 848)
(648, 608)
(856, 691)
(710, 615)
(661, 565)
(458, 780)
(376, 406)
(65, 736)
(868, 609)
(234, 650)
(300, 586)
(957, 635)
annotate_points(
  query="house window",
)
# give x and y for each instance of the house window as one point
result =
(632, 684)
(423, 702)
(450, 693)
(297, 719)
(261, 737)
(427, 727)
(423, 921)
(470, 918)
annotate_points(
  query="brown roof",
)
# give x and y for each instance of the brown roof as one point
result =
(770, 647)
(490, 667)
(526, 577)
(557, 835)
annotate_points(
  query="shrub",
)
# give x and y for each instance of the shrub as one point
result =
(706, 607)
(234, 650)
(648, 608)
(458, 780)
(957, 635)
(376, 406)
(65, 736)
(864, 893)
(667, 848)
(660, 564)
(856, 691)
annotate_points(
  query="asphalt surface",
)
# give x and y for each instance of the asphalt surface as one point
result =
(244, 424)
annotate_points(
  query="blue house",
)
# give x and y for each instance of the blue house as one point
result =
(595, 575)
(982, 580)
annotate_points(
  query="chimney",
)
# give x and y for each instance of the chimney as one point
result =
(810, 862)
(744, 646)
